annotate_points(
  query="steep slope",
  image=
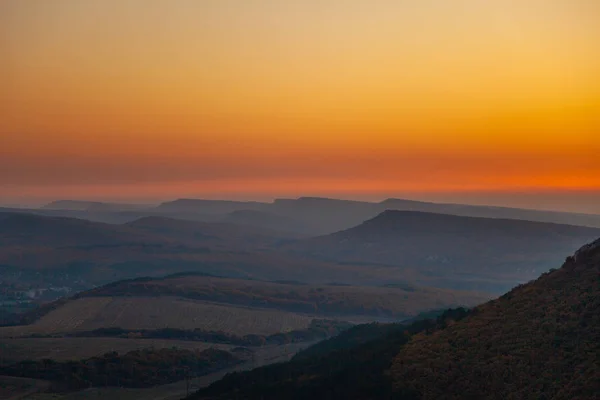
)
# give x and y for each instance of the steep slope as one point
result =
(541, 340)
(447, 245)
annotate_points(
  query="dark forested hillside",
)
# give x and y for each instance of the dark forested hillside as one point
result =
(539, 341)
(350, 366)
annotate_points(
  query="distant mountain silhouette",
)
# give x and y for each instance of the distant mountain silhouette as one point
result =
(451, 246)
(324, 215)
(27, 230)
(558, 217)
(208, 206)
(93, 206)
(79, 253)
(313, 215)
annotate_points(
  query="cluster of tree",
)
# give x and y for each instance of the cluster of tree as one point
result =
(318, 329)
(136, 369)
(539, 341)
(364, 333)
(349, 366)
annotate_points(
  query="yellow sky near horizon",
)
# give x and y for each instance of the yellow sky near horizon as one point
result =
(427, 95)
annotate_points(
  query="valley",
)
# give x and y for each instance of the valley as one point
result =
(85, 294)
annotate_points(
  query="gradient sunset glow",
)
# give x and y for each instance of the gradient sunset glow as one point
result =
(155, 99)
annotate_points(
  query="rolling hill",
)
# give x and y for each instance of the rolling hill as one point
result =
(27, 230)
(451, 247)
(75, 253)
(190, 301)
(395, 247)
(539, 341)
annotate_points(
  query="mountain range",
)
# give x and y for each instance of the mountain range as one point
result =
(306, 215)
(439, 250)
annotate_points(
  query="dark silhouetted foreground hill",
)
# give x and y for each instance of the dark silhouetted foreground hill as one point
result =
(539, 341)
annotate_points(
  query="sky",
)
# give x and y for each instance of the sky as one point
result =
(480, 101)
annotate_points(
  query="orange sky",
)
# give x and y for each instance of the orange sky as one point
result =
(162, 98)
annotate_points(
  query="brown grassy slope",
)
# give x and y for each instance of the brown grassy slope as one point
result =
(539, 341)
(393, 302)
(86, 314)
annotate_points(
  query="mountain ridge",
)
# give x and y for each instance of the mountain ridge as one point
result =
(445, 246)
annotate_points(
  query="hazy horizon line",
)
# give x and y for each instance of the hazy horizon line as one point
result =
(496, 199)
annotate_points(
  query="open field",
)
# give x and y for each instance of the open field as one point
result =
(62, 349)
(402, 300)
(87, 314)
